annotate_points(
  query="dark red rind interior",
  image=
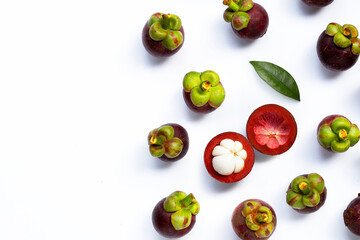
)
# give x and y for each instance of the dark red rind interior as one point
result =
(333, 57)
(249, 162)
(239, 225)
(285, 114)
(156, 48)
(317, 207)
(181, 133)
(162, 222)
(258, 24)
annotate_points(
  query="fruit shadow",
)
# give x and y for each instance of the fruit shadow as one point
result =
(328, 74)
(307, 10)
(237, 41)
(217, 186)
(154, 61)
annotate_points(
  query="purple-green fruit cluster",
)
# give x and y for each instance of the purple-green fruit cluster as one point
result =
(338, 47)
(169, 142)
(163, 35)
(248, 20)
(203, 92)
(306, 193)
(175, 215)
(337, 134)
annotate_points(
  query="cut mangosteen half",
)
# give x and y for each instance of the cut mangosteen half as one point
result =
(229, 157)
(271, 129)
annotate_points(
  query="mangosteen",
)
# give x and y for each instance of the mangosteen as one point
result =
(352, 216)
(248, 20)
(163, 35)
(306, 193)
(254, 219)
(203, 92)
(175, 215)
(169, 142)
(337, 134)
(317, 3)
(271, 129)
(338, 47)
(229, 157)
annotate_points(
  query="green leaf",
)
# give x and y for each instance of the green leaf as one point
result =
(278, 78)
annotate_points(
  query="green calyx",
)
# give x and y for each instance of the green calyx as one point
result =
(162, 142)
(166, 28)
(258, 218)
(204, 88)
(182, 207)
(344, 36)
(338, 136)
(236, 13)
(305, 191)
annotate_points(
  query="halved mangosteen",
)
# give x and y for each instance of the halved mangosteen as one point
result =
(229, 157)
(175, 215)
(254, 219)
(271, 129)
(169, 142)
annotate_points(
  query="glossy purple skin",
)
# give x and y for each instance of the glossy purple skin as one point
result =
(352, 216)
(317, 207)
(156, 48)
(179, 132)
(162, 222)
(258, 24)
(333, 57)
(239, 225)
(317, 3)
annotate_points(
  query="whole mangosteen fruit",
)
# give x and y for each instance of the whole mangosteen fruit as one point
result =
(229, 157)
(254, 219)
(338, 47)
(271, 129)
(337, 134)
(163, 35)
(175, 215)
(248, 20)
(169, 142)
(352, 216)
(317, 3)
(306, 193)
(203, 92)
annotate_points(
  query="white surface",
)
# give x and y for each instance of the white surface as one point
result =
(79, 94)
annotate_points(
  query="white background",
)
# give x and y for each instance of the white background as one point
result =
(79, 94)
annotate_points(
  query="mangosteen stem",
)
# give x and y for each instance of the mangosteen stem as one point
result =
(187, 200)
(232, 5)
(154, 140)
(205, 85)
(262, 217)
(342, 134)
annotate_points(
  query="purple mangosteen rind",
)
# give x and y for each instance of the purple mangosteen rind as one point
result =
(338, 47)
(202, 91)
(175, 215)
(306, 193)
(169, 142)
(336, 133)
(317, 3)
(248, 20)
(351, 216)
(254, 219)
(163, 35)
